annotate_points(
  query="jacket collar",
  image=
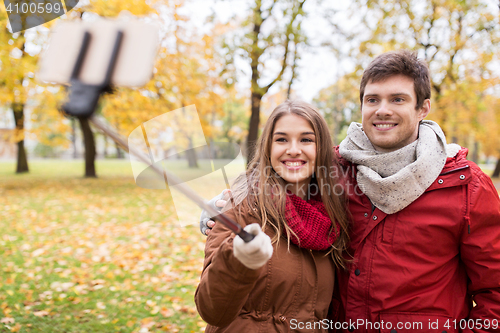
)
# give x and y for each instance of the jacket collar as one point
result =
(457, 161)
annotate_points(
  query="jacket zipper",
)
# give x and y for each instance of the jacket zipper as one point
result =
(447, 172)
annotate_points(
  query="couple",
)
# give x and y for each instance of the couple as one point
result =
(415, 241)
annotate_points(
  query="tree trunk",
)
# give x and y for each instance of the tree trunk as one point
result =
(119, 153)
(89, 143)
(105, 153)
(22, 160)
(73, 138)
(475, 153)
(335, 131)
(496, 172)
(253, 127)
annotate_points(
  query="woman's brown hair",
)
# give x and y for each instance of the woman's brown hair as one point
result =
(264, 189)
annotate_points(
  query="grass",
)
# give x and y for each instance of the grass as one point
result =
(94, 255)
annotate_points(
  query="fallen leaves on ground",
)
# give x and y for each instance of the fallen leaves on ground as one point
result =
(88, 255)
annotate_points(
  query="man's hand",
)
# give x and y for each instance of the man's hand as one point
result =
(206, 223)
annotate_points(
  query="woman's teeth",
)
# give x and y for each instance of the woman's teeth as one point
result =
(293, 164)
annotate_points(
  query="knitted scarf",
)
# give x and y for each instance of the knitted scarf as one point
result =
(310, 222)
(393, 180)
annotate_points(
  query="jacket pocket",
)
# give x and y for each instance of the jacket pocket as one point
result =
(403, 322)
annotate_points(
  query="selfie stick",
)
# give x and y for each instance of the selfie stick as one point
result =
(82, 102)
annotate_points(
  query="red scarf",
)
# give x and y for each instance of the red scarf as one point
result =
(310, 222)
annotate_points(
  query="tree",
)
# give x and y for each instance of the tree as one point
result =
(234, 120)
(47, 125)
(273, 37)
(490, 123)
(22, 159)
(18, 91)
(16, 73)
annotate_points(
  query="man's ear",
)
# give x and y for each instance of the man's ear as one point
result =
(424, 110)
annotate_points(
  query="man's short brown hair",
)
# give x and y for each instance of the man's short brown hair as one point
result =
(402, 62)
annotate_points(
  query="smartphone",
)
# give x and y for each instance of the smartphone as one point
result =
(135, 63)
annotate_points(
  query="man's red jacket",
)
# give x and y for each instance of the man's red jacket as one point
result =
(423, 268)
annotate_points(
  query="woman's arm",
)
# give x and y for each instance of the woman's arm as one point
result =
(225, 282)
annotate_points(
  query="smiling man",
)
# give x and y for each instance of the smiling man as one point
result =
(425, 227)
(425, 237)
(390, 118)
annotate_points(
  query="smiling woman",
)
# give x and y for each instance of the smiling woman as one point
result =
(271, 282)
(293, 152)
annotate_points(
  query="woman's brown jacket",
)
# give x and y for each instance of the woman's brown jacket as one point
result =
(291, 293)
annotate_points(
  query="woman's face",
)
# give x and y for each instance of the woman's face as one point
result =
(293, 152)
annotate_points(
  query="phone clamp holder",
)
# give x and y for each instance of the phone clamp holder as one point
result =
(82, 97)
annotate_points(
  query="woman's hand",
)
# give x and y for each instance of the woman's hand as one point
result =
(255, 253)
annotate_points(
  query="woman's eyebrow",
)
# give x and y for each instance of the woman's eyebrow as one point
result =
(283, 133)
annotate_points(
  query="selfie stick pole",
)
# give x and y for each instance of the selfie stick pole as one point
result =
(82, 102)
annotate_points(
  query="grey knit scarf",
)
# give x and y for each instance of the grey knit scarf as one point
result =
(393, 180)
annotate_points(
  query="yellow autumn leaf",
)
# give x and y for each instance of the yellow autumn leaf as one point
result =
(16, 328)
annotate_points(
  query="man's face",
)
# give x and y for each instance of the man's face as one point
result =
(390, 120)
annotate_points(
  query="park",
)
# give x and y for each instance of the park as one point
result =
(85, 248)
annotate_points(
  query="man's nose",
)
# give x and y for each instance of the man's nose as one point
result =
(383, 110)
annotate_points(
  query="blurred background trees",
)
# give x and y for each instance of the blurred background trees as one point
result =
(460, 40)
(279, 42)
(16, 73)
(237, 69)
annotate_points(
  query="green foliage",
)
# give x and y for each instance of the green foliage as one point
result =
(45, 151)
